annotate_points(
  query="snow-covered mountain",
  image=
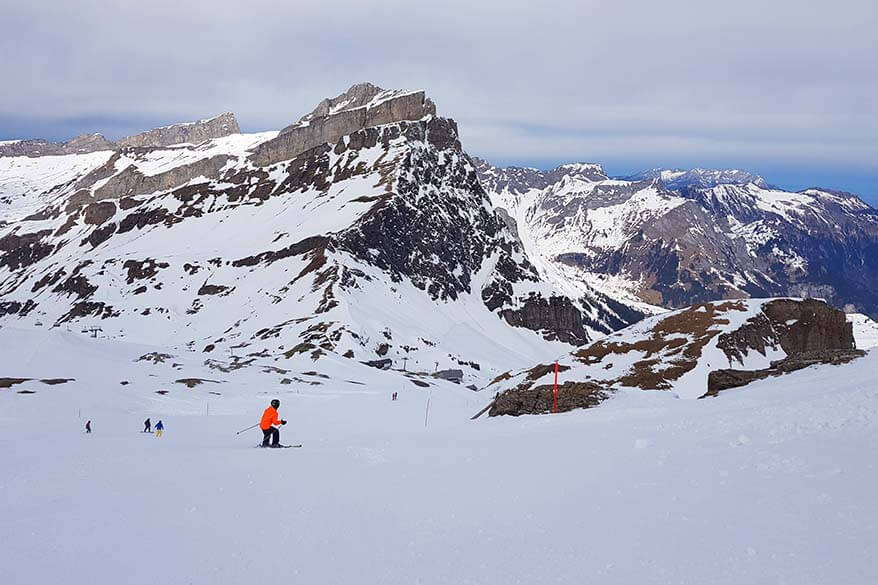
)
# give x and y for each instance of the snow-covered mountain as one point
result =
(640, 239)
(704, 178)
(360, 231)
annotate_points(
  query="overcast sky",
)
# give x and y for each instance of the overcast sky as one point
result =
(786, 88)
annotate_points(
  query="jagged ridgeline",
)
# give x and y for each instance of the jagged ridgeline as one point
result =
(362, 231)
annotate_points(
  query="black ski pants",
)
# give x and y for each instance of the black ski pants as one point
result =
(270, 433)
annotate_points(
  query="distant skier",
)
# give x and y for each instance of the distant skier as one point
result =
(88, 427)
(159, 427)
(394, 396)
(269, 424)
(147, 426)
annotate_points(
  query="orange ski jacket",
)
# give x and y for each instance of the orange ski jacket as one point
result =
(269, 418)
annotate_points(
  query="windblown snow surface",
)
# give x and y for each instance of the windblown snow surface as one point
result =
(771, 483)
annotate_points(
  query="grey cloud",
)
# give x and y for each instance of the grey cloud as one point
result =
(781, 80)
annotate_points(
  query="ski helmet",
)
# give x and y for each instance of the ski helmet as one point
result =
(275, 403)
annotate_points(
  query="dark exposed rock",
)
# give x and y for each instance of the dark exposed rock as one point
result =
(297, 249)
(88, 309)
(142, 269)
(100, 235)
(797, 326)
(539, 400)
(98, 213)
(25, 250)
(213, 289)
(380, 364)
(193, 382)
(557, 317)
(719, 380)
(77, 284)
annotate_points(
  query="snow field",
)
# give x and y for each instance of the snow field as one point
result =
(771, 483)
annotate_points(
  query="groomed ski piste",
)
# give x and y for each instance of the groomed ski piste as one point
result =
(770, 483)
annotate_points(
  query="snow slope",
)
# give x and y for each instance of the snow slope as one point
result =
(772, 483)
(865, 331)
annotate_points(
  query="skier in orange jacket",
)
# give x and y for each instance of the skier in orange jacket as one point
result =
(270, 422)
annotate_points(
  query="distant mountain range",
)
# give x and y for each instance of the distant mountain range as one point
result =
(674, 238)
(701, 178)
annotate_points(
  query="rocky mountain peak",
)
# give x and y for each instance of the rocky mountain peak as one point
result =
(362, 106)
(358, 96)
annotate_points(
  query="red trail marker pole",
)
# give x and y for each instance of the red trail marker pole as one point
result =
(555, 393)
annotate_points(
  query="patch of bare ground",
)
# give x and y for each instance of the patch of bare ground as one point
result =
(193, 382)
(10, 382)
(56, 381)
(671, 351)
(501, 378)
(155, 357)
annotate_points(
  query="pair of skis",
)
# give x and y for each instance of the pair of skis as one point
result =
(261, 446)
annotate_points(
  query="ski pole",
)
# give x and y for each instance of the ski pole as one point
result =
(247, 429)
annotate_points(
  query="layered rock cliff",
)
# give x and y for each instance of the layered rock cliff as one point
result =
(361, 106)
(190, 132)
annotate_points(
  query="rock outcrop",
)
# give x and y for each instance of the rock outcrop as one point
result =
(557, 317)
(720, 380)
(362, 106)
(188, 132)
(540, 399)
(683, 352)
